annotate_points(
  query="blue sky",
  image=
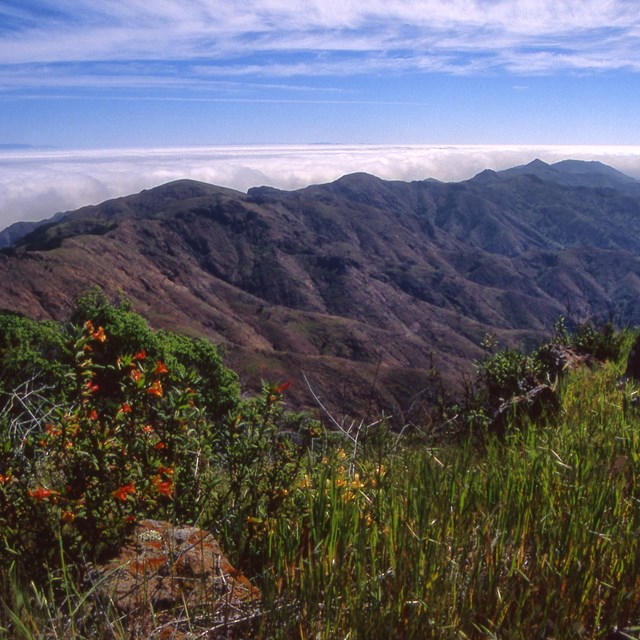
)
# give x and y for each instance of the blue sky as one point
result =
(89, 75)
(108, 73)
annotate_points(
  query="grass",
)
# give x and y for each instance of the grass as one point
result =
(535, 535)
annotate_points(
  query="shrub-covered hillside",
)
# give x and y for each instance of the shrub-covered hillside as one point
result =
(526, 530)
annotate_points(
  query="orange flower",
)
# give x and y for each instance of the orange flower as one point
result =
(147, 428)
(52, 431)
(283, 387)
(141, 355)
(160, 368)
(88, 325)
(125, 408)
(124, 491)
(165, 488)
(99, 335)
(68, 516)
(159, 445)
(41, 494)
(91, 387)
(93, 415)
(5, 479)
(155, 389)
(136, 375)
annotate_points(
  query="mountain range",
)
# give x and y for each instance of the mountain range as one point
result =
(375, 292)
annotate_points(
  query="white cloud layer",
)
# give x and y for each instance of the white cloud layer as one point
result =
(36, 184)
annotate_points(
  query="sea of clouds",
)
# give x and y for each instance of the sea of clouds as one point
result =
(34, 184)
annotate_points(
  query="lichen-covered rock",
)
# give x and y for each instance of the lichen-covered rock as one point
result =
(562, 359)
(633, 361)
(533, 405)
(173, 581)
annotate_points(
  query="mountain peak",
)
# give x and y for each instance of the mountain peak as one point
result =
(574, 173)
(581, 167)
(537, 164)
(353, 281)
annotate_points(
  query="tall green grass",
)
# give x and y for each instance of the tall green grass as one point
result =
(532, 535)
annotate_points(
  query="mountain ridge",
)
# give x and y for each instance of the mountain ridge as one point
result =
(364, 285)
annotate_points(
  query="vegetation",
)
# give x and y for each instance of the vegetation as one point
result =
(367, 535)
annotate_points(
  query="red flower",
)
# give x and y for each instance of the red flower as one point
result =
(125, 408)
(91, 387)
(283, 387)
(165, 488)
(52, 431)
(136, 375)
(155, 389)
(123, 492)
(159, 445)
(160, 368)
(40, 494)
(93, 415)
(141, 355)
(99, 335)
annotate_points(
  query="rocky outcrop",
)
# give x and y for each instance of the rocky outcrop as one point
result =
(633, 361)
(563, 359)
(173, 581)
(536, 403)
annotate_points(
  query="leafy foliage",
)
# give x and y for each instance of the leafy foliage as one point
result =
(532, 535)
(602, 341)
(29, 348)
(129, 333)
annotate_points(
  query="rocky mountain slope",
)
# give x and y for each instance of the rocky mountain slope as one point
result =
(363, 285)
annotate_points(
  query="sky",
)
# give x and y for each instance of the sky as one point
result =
(100, 98)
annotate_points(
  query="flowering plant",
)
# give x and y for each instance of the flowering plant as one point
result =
(121, 447)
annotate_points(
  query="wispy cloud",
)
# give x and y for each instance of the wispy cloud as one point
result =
(36, 184)
(289, 38)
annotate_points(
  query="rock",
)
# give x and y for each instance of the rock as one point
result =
(563, 358)
(534, 404)
(169, 581)
(633, 361)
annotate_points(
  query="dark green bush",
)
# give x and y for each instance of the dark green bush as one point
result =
(129, 333)
(31, 349)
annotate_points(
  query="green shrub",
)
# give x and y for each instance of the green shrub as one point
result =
(100, 462)
(30, 349)
(601, 340)
(129, 333)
